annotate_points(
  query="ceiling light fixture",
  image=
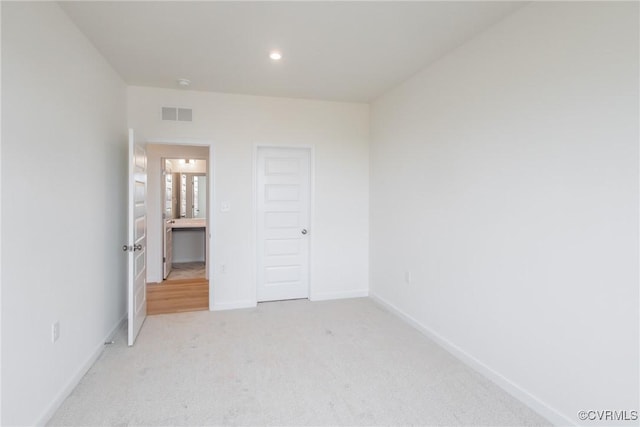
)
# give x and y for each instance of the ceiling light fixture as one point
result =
(275, 55)
(184, 82)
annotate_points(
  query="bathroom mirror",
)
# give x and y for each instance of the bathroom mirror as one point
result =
(193, 195)
(185, 188)
(199, 185)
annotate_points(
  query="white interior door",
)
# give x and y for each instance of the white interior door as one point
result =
(136, 247)
(167, 257)
(167, 215)
(283, 216)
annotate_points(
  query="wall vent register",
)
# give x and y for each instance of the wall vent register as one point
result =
(177, 114)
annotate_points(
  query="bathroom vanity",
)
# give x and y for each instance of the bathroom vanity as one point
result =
(189, 243)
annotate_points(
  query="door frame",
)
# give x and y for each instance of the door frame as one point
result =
(254, 201)
(211, 211)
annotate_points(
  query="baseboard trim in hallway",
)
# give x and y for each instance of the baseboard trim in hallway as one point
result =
(177, 296)
(515, 390)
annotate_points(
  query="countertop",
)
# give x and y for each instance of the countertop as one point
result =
(189, 223)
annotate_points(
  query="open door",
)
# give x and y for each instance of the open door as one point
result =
(167, 255)
(167, 218)
(137, 238)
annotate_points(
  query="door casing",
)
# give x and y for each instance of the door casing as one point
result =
(211, 211)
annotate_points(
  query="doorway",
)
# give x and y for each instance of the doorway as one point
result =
(179, 227)
(283, 218)
(184, 213)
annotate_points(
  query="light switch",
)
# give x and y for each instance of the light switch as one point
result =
(225, 206)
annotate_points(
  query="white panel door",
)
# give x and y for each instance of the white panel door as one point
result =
(136, 247)
(167, 256)
(283, 216)
(168, 214)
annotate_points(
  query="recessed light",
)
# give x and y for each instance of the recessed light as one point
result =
(184, 82)
(275, 55)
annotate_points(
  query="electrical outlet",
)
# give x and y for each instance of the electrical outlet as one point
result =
(55, 331)
(223, 268)
(408, 278)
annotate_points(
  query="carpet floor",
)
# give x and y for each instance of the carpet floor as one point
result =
(345, 362)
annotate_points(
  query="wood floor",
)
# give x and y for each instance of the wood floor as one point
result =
(177, 296)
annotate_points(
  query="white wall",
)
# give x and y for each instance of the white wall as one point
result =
(505, 178)
(235, 123)
(63, 223)
(155, 226)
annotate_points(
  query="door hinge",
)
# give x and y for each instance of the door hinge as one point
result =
(164, 259)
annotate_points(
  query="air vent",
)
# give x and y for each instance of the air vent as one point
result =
(177, 114)
(184, 114)
(169, 113)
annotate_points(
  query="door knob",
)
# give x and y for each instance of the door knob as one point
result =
(126, 248)
(304, 231)
(137, 247)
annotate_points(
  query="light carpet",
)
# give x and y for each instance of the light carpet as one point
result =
(346, 362)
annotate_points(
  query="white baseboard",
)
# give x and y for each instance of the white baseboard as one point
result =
(358, 293)
(233, 305)
(75, 378)
(510, 387)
